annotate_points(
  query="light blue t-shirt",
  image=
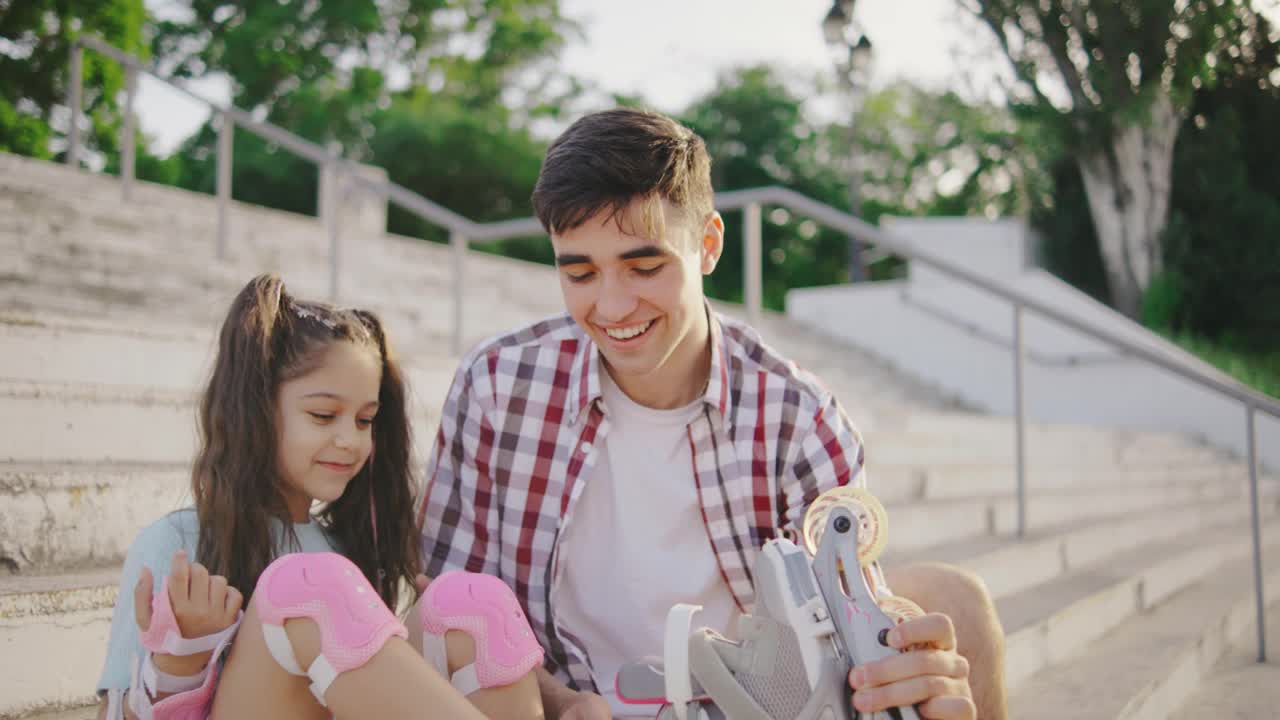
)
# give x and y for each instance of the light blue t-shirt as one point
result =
(154, 548)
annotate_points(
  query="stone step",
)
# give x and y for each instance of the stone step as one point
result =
(920, 525)
(1239, 687)
(505, 275)
(72, 609)
(62, 350)
(1150, 664)
(54, 348)
(1009, 565)
(940, 482)
(71, 613)
(78, 422)
(83, 712)
(1067, 618)
(65, 515)
(1045, 446)
(900, 483)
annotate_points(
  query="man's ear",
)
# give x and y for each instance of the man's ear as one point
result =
(712, 242)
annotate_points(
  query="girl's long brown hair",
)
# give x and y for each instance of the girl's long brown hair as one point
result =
(268, 338)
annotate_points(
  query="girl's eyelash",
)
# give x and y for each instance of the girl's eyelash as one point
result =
(580, 278)
(320, 416)
(647, 272)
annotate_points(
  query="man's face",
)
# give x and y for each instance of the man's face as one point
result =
(640, 299)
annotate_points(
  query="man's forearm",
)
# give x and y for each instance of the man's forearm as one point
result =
(556, 696)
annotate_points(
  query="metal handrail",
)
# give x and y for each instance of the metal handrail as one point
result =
(464, 231)
(991, 337)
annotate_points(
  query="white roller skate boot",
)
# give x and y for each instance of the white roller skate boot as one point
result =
(818, 613)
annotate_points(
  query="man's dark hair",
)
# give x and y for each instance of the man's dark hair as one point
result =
(607, 160)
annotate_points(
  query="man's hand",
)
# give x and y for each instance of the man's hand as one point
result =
(586, 706)
(203, 604)
(931, 675)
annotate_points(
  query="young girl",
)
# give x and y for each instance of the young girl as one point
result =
(306, 404)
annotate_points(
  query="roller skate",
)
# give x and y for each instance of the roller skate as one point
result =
(821, 608)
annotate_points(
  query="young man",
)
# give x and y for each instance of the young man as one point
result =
(638, 450)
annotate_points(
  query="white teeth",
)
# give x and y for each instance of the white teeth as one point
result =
(627, 333)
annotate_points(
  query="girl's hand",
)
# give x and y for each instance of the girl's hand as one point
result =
(203, 604)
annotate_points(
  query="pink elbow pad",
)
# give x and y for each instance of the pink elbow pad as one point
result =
(187, 703)
(330, 590)
(485, 608)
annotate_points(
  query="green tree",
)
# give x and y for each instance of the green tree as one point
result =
(439, 92)
(35, 42)
(927, 153)
(757, 134)
(1223, 245)
(1114, 79)
(461, 48)
(920, 153)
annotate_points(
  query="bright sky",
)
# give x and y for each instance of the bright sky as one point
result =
(671, 51)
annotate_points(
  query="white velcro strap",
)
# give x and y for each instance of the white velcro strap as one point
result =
(156, 681)
(281, 649)
(466, 680)
(435, 652)
(322, 676)
(175, 644)
(675, 658)
(115, 704)
(139, 700)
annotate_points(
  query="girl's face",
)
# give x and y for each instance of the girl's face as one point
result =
(325, 425)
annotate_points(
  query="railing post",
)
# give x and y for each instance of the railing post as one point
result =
(1020, 418)
(73, 104)
(1259, 596)
(128, 140)
(458, 248)
(331, 197)
(752, 251)
(226, 132)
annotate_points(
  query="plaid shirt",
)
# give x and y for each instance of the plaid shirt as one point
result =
(517, 444)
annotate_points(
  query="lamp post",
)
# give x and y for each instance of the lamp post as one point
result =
(851, 51)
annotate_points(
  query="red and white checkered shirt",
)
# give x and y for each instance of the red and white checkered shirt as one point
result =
(517, 444)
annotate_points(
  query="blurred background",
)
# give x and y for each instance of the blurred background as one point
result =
(1108, 168)
(910, 108)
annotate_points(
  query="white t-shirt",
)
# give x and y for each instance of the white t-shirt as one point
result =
(636, 544)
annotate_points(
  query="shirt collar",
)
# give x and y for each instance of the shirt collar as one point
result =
(584, 374)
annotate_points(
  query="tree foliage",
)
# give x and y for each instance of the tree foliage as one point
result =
(1114, 80)
(35, 48)
(459, 48)
(1223, 245)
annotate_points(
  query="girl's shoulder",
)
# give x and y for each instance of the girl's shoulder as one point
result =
(158, 541)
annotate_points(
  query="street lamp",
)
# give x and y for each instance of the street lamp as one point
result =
(851, 49)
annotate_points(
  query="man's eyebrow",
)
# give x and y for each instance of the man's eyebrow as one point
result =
(563, 260)
(647, 251)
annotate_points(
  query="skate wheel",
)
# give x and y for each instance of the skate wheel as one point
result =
(900, 609)
(873, 521)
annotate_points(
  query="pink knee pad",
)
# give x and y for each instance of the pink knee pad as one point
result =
(485, 608)
(330, 590)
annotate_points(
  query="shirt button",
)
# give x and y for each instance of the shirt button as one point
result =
(587, 448)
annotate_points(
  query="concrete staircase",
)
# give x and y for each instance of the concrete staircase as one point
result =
(1132, 583)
